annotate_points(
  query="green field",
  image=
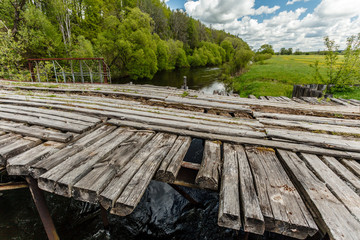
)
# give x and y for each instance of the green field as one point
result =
(276, 76)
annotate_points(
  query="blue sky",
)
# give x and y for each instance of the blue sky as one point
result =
(283, 23)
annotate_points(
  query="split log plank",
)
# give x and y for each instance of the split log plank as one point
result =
(44, 122)
(283, 209)
(229, 198)
(172, 163)
(352, 165)
(117, 185)
(91, 185)
(20, 164)
(136, 187)
(329, 212)
(65, 184)
(316, 139)
(343, 172)
(311, 126)
(17, 147)
(46, 164)
(241, 140)
(313, 119)
(210, 170)
(37, 113)
(43, 134)
(339, 188)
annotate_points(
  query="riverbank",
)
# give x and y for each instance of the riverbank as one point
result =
(276, 77)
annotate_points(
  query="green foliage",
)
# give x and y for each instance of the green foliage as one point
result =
(11, 51)
(284, 51)
(266, 49)
(340, 73)
(260, 57)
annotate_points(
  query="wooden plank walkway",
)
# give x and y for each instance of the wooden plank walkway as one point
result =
(280, 165)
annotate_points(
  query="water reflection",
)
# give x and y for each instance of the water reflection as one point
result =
(206, 79)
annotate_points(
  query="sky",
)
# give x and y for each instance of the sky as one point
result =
(299, 24)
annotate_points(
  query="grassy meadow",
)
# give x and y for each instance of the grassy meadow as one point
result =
(276, 76)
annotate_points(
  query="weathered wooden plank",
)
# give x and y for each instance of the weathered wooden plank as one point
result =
(20, 164)
(352, 165)
(136, 187)
(229, 198)
(316, 139)
(43, 134)
(65, 184)
(20, 110)
(44, 122)
(171, 164)
(190, 165)
(8, 139)
(282, 207)
(313, 119)
(46, 164)
(89, 187)
(330, 214)
(339, 188)
(311, 126)
(343, 172)
(210, 170)
(252, 218)
(17, 147)
(112, 192)
(241, 140)
(48, 180)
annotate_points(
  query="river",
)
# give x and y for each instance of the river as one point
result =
(206, 79)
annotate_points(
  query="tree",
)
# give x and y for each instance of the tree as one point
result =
(340, 73)
(266, 48)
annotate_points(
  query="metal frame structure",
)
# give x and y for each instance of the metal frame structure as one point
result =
(87, 69)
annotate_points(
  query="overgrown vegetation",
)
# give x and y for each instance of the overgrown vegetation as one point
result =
(137, 38)
(344, 73)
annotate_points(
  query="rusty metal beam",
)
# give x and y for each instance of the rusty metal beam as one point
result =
(190, 165)
(184, 194)
(12, 186)
(43, 211)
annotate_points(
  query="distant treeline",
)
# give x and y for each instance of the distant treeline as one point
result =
(137, 38)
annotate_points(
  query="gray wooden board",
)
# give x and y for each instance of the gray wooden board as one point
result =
(167, 120)
(37, 113)
(44, 122)
(150, 110)
(352, 165)
(65, 184)
(317, 139)
(282, 207)
(252, 218)
(229, 200)
(344, 173)
(95, 152)
(330, 214)
(313, 119)
(50, 162)
(136, 187)
(171, 164)
(241, 140)
(20, 164)
(44, 134)
(17, 147)
(89, 187)
(311, 126)
(114, 189)
(16, 102)
(210, 170)
(338, 187)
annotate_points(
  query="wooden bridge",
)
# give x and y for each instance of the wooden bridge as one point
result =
(289, 166)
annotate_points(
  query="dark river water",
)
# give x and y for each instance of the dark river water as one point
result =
(204, 79)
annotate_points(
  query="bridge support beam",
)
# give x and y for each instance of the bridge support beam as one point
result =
(43, 211)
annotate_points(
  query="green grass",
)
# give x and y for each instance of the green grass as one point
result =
(276, 76)
(350, 93)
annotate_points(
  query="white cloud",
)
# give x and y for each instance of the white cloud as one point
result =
(294, 1)
(333, 18)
